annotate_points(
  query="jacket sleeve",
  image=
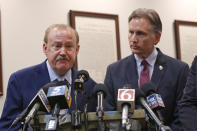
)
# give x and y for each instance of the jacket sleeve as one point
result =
(109, 102)
(176, 125)
(188, 104)
(12, 105)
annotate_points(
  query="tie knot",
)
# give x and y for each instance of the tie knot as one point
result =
(66, 81)
(144, 63)
(61, 80)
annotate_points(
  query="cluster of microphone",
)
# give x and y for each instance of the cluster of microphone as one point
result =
(51, 98)
(54, 96)
(147, 97)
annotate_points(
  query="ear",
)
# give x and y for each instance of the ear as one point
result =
(157, 38)
(77, 48)
(44, 47)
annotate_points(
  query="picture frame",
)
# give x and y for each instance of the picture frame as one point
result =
(185, 38)
(99, 41)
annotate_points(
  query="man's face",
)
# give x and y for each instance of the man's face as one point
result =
(141, 38)
(61, 49)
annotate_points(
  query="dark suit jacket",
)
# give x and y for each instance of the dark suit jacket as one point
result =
(188, 110)
(23, 86)
(169, 76)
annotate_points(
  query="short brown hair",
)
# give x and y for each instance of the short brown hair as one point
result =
(149, 14)
(59, 26)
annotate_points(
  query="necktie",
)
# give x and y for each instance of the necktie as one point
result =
(144, 76)
(68, 95)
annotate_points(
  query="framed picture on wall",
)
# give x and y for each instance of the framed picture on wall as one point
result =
(99, 41)
(186, 38)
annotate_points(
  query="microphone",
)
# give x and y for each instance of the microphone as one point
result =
(82, 77)
(32, 113)
(20, 117)
(154, 100)
(41, 100)
(125, 102)
(57, 96)
(140, 94)
(99, 91)
(58, 93)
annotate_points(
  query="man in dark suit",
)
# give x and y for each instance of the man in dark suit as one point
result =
(61, 48)
(188, 104)
(168, 74)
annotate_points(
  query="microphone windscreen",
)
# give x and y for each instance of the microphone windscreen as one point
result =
(100, 88)
(84, 74)
(148, 88)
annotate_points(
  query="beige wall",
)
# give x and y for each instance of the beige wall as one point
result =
(24, 21)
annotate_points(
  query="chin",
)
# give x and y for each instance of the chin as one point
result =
(135, 51)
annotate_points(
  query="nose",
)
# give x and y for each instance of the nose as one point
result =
(132, 38)
(63, 51)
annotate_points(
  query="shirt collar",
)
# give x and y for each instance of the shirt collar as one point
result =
(53, 75)
(150, 59)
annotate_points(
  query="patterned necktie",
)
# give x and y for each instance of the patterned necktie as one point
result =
(68, 95)
(144, 76)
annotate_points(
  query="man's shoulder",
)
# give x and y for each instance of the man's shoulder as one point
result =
(122, 62)
(163, 58)
(175, 61)
(31, 69)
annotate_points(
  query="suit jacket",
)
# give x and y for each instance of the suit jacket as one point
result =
(188, 105)
(23, 86)
(169, 76)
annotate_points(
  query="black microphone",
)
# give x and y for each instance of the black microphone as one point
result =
(82, 77)
(19, 118)
(58, 93)
(32, 113)
(140, 94)
(154, 100)
(126, 102)
(58, 99)
(99, 91)
(41, 100)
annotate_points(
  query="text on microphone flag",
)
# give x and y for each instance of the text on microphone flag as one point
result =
(58, 90)
(155, 100)
(126, 94)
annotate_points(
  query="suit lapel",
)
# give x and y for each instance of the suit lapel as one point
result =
(160, 68)
(42, 75)
(131, 72)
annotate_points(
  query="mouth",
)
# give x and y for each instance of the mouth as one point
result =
(134, 47)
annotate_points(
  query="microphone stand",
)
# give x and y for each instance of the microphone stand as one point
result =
(36, 123)
(52, 123)
(86, 116)
(76, 114)
(100, 112)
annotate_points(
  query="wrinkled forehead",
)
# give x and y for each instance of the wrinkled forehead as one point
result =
(61, 32)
